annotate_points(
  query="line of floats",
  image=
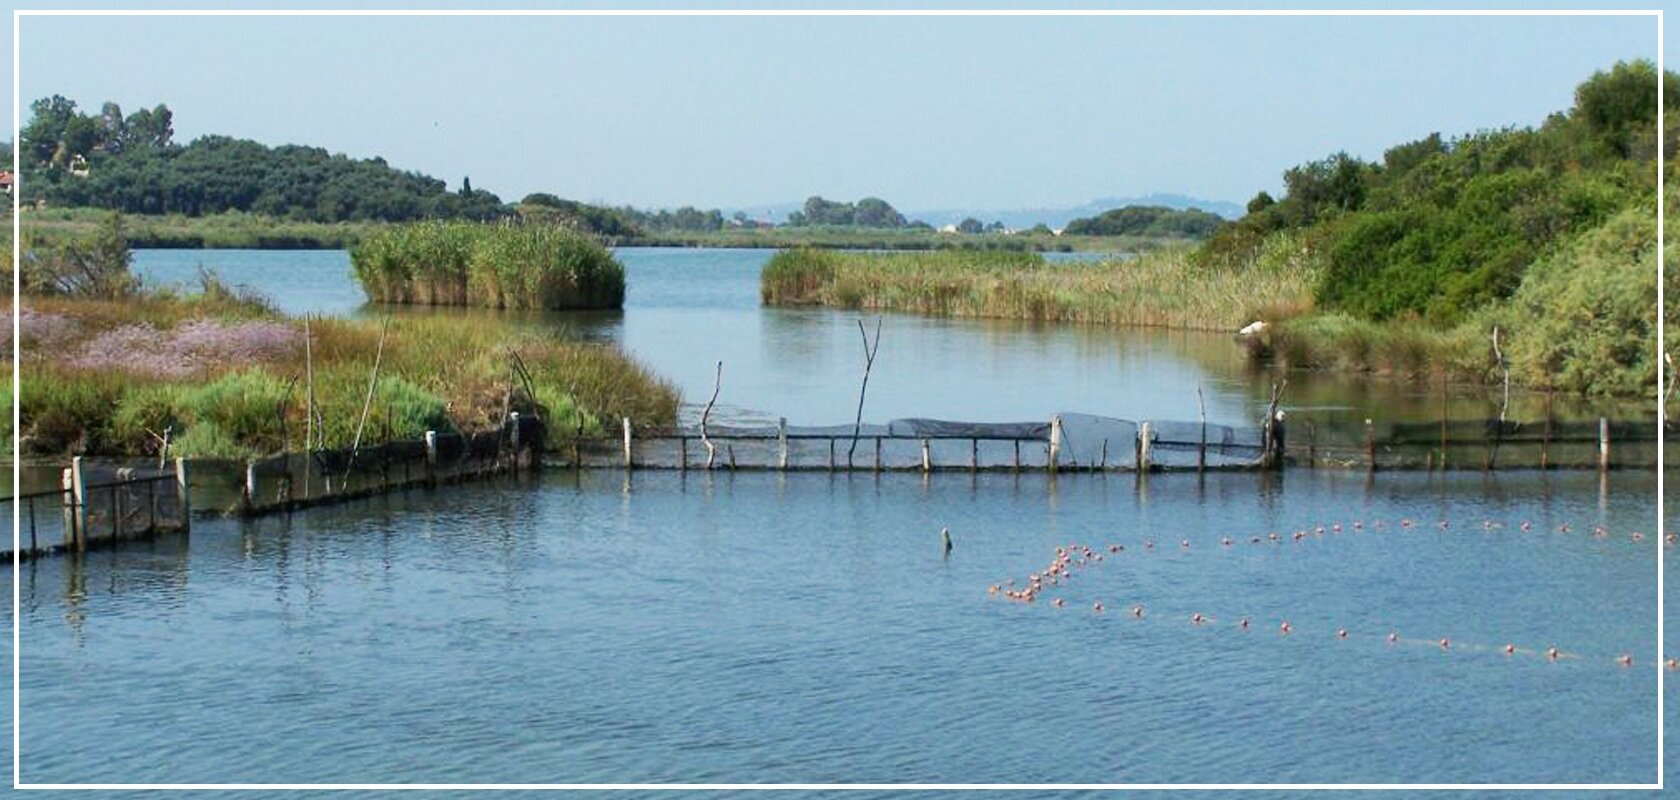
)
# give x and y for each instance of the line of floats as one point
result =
(1078, 556)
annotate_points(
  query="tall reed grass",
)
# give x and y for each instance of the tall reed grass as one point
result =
(1164, 288)
(499, 265)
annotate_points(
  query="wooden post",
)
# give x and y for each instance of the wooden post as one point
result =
(973, 455)
(627, 461)
(781, 443)
(1604, 444)
(1145, 434)
(1370, 446)
(1201, 414)
(513, 419)
(927, 460)
(1055, 443)
(831, 462)
(1546, 437)
(878, 454)
(182, 496)
(431, 458)
(1017, 455)
(731, 448)
(78, 487)
(682, 452)
(249, 499)
(1102, 461)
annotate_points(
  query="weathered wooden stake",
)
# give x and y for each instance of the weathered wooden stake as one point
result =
(973, 455)
(1017, 455)
(1604, 444)
(182, 496)
(781, 443)
(1370, 446)
(78, 482)
(513, 419)
(731, 448)
(878, 454)
(431, 458)
(1201, 448)
(1055, 443)
(1102, 461)
(1145, 436)
(711, 449)
(682, 453)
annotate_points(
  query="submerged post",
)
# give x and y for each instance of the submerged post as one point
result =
(627, 463)
(1604, 444)
(1055, 442)
(781, 443)
(1145, 434)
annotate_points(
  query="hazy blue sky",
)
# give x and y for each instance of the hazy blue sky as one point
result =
(926, 112)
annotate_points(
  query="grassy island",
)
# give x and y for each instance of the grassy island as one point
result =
(499, 265)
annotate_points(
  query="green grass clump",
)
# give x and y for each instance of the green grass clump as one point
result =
(1161, 288)
(501, 265)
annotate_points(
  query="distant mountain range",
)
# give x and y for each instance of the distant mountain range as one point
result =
(1023, 217)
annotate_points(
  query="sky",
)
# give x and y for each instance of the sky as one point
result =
(946, 112)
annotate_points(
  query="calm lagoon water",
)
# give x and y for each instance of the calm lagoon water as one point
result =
(580, 627)
(666, 627)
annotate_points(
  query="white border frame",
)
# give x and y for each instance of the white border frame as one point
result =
(1657, 661)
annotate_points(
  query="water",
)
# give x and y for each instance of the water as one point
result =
(686, 309)
(807, 628)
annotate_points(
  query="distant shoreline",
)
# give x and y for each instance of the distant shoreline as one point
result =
(238, 231)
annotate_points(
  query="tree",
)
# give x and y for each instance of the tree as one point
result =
(970, 225)
(49, 117)
(466, 187)
(1261, 202)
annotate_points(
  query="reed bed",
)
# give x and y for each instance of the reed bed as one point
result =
(1165, 288)
(107, 378)
(494, 265)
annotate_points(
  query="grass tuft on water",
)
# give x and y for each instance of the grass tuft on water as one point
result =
(491, 265)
